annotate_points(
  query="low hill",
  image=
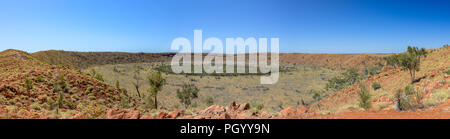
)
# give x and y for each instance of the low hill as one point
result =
(84, 60)
(433, 81)
(335, 61)
(30, 88)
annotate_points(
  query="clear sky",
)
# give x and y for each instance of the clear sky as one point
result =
(305, 26)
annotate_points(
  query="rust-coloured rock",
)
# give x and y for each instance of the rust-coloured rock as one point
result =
(224, 116)
(122, 114)
(243, 107)
(301, 109)
(175, 113)
(162, 115)
(288, 112)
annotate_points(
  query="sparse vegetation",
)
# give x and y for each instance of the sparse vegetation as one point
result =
(364, 98)
(438, 97)
(28, 84)
(186, 94)
(347, 78)
(40, 79)
(408, 98)
(376, 85)
(96, 75)
(209, 101)
(258, 106)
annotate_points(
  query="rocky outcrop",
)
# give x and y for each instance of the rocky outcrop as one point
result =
(122, 114)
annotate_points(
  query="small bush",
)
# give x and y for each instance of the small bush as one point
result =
(347, 78)
(28, 84)
(209, 101)
(402, 101)
(35, 106)
(39, 78)
(51, 103)
(89, 90)
(364, 98)
(3, 100)
(408, 98)
(187, 93)
(447, 72)
(258, 106)
(316, 97)
(99, 77)
(409, 90)
(376, 85)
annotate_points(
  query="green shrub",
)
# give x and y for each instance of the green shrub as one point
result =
(316, 96)
(99, 77)
(409, 90)
(35, 106)
(73, 90)
(403, 102)
(258, 106)
(28, 84)
(376, 85)
(51, 103)
(447, 72)
(89, 90)
(60, 100)
(364, 98)
(408, 98)
(117, 84)
(209, 101)
(187, 93)
(39, 78)
(347, 78)
(3, 100)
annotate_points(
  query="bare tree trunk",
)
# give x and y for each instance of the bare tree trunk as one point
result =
(156, 101)
(411, 73)
(137, 90)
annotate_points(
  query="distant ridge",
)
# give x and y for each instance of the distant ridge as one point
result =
(87, 59)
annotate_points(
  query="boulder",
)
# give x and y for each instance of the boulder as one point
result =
(233, 106)
(244, 106)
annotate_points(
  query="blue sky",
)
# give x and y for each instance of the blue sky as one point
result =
(305, 26)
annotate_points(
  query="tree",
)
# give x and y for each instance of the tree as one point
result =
(156, 82)
(137, 79)
(187, 93)
(411, 60)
